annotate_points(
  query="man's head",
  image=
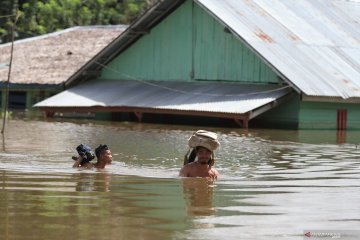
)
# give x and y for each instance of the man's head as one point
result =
(202, 145)
(103, 154)
(204, 155)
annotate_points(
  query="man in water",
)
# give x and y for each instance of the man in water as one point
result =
(203, 143)
(103, 155)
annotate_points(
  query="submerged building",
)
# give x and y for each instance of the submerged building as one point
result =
(42, 65)
(278, 63)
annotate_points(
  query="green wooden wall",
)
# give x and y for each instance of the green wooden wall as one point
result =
(189, 45)
(285, 116)
(219, 55)
(163, 54)
(322, 115)
(297, 114)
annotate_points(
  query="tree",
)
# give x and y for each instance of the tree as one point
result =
(45, 16)
(7, 11)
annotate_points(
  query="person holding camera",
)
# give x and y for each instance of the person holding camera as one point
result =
(102, 153)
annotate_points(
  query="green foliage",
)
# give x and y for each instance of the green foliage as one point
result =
(45, 16)
(7, 114)
(6, 9)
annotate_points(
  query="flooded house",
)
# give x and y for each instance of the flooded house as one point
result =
(42, 65)
(280, 64)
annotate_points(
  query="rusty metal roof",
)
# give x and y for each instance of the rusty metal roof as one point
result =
(53, 58)
(313, 44)
(214, 98)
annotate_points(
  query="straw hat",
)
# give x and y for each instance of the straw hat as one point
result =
(203, 138)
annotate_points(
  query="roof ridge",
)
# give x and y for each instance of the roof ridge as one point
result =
(62, 31)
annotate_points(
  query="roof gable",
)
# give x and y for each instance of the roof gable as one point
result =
(314, 45)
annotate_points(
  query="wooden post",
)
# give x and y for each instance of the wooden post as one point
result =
(17, 15)
(244, 123)
(139, 116)
(49, 114)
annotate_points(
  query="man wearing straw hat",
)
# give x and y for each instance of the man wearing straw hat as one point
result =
(202, 145)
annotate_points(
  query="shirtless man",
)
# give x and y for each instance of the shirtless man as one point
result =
(202, 167)
(202, 143)
(103, 155)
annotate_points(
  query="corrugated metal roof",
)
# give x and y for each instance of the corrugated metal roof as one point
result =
(179, 96)
(313, 44)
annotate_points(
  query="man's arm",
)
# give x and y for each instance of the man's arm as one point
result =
(184, 172)
(215, 174)
(77, 162)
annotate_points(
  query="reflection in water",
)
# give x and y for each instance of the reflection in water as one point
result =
(93, 182)
(341, 136)
(198, 193)
(272, 185)
(3, 142)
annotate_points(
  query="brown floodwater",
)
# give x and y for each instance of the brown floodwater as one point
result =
(274, 184)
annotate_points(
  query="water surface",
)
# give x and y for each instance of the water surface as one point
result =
(274, 184)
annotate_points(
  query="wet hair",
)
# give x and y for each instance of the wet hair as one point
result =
(191, 155)
(99, 150)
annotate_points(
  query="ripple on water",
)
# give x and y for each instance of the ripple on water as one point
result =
(267, 190)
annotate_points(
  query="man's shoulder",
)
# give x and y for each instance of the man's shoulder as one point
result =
(188, 167)
(88, 165)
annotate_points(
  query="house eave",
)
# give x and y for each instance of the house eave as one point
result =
(32, 86)
(307, 98)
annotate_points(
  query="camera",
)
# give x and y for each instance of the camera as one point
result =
(85, 152)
